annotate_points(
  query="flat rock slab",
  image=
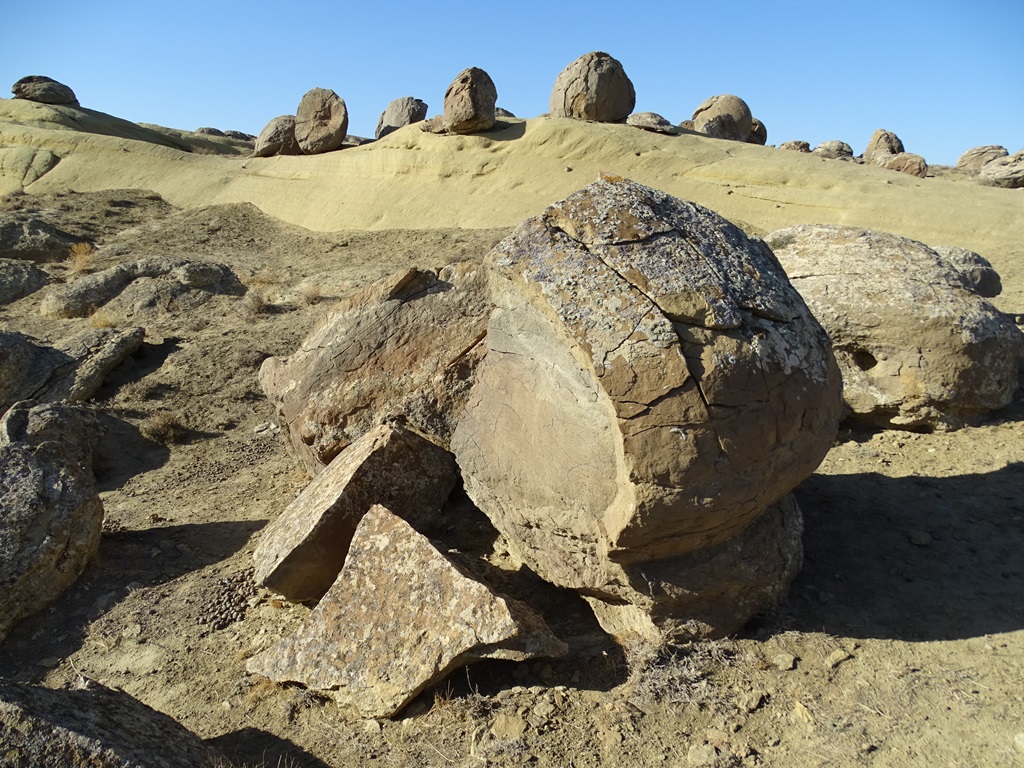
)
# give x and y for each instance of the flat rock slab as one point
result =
(400, 617)
(405, 346)
(301, 553)
(95, 727)
(918, 347)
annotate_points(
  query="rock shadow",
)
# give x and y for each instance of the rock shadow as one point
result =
(252, 746)
(504, 131)
(123, 452)
(911, 558)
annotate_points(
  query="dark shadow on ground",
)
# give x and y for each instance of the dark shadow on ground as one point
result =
(122, 453)
(251, 746)
(912, 558)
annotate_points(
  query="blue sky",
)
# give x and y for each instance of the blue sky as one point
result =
(944, 76)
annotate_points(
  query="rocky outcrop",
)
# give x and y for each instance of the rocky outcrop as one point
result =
(652, 385)
(724, 117)
(904, 162)
(52, 514)
(301, 553)
(45, 90)
(469, 102)
(30, 238)
(399, 617)
(976, 270)
(207, 131)
(403, 347)
(796, 146)
(882, 142)
(593, 87)
(400, 113)
(72, 369)
(651, 121)
(919, 349)
(1006, 172)
(19, 279)
(973, 159)
(141, 288)
(277, 138)
(93, 727)
(321, 122)
(834, 150)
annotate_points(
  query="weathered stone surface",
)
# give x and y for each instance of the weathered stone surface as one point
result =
(796, 146)
(687, 125)
(33, 239)
(1007, 172)
(435, 124)
(72, 369)
(499, 112)
(25, 165)
(758, 133)
(652, 384)
(399, 617)
(919, 349)
(882, 142)
(94, 727)
(44, 90)
(18, 279)
(975, 157)
(469, 102)
(724, 117)
(277, 138)
(904, 162)
(835, 150)
(207, 131)
(715, 591)
(321, 121)
(981, 277)
(593, 87)
(399, 113)
(51, 511)
(404, 346)
(301, 553)
(651, 121)
(240, 135)
(140, 288)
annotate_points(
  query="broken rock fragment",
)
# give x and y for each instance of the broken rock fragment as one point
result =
(301, 553)
(652, 384)
(400, 617)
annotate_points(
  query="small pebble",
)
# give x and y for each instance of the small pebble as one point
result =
(784, 661)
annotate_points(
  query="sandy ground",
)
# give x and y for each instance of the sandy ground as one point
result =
(900, 644)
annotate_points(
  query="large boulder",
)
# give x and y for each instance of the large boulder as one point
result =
(593, 87)
(919, 349)
(405, 346)
(1007, 172)
(321, 121)
(882, 142)
(400, 113)
(975, 157)
(469, 102)
(904, 162)
(26, 237)
(758, 133)
(724, 117)
(652, 385)
(141, 288)
(45, 90)
(277, 138)
(301, 553)
(93, 727)
(834, 149)
(19, 279)
(52, 514)
(400, 617)
(796, 146)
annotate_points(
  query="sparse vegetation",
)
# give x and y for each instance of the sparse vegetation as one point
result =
(255, 303)
(101, 318)
(81, 257)
(163, 427)
(312, 293)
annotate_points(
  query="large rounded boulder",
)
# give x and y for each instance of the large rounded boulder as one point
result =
(593, 87)
(918, 347)
(653, 386)
(469, 102)
(881, 143)
(44, 90)
(724, 117)
(321, 121)
(400, 113)
(277, 138)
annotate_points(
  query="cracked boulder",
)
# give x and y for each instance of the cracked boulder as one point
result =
(469, 102)
(301, 553)
(405, 347)
(652, 385)
(321, 121)
(51, 511)
(142, 288)
(724, 117)
(593, 87)
(919, 348)
(277, 138)
(93, 727)
(400, 617)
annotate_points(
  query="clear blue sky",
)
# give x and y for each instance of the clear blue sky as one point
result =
(944, 76)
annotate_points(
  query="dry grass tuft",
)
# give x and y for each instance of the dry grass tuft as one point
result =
(255, 303)
(81, 257)
(675, 675)
(101, 318)
(163, 427)
(312, 293)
